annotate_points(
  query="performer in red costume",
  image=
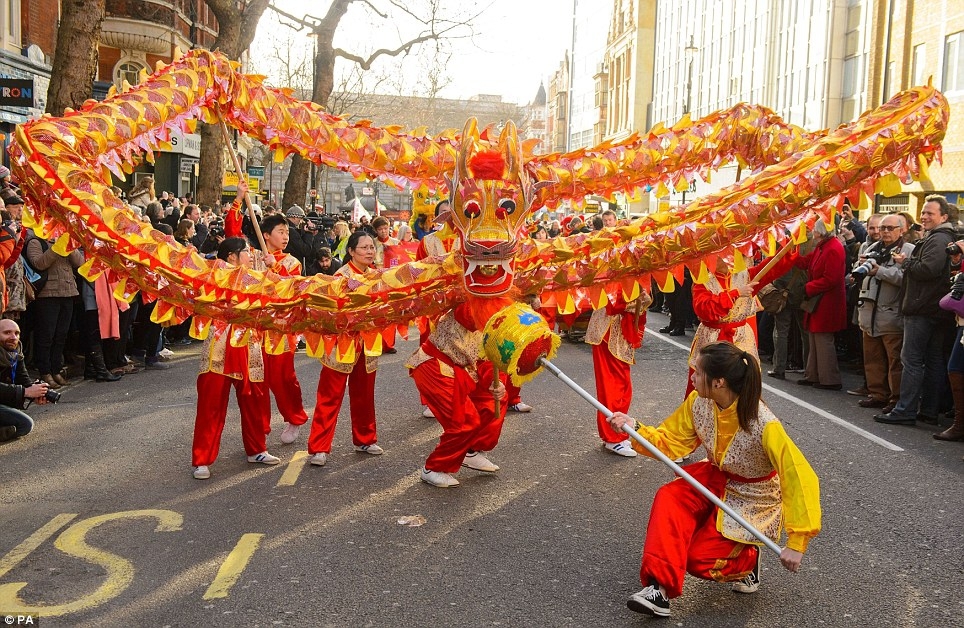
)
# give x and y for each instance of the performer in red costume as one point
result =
(223, 366)
(358, 375)
(727, 305)
(383, 238)
(752, 466)
(436, 243)
(615, 332)
(458, 388)
(279, 369)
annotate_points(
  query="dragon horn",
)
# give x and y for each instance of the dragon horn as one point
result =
(509, 145)
(470, 136)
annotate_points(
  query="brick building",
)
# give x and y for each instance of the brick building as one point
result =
(28, 37)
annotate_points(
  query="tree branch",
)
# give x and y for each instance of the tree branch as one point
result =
(366, 64)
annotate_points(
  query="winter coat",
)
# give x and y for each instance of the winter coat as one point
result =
(878, 312)
(13, 386)
(826, 270)
(927, 274)
(300, 245)
(60, 270)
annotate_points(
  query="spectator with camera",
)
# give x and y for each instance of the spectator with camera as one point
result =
(193, 213)
(16, 386)
(926, 279)
(879, 313)
(300, 236)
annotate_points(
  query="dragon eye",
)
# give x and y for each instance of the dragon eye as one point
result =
(506, 207)
(472, 209)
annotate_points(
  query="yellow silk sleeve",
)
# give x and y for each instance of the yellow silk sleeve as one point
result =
(675, 436)
(798, 484)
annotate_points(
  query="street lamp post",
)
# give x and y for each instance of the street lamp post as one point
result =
(690, 53)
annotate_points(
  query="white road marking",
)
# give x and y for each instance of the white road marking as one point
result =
(794, 400)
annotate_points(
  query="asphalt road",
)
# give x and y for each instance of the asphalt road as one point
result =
(101, 523)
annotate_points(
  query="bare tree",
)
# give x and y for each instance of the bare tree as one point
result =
(75, 60)
(433, 24)
(237, 23)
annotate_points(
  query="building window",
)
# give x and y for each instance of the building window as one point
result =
(953, 63)
(10, 29)
(127, 70)
(920, 58)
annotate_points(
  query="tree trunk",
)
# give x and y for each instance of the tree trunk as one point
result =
(75, 60)
(236, 29)
(296, 185)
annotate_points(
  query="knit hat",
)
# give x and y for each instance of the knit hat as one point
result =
(4, 172)
(295, 212)
(10, 197)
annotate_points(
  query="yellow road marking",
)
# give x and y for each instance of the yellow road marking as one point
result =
(32, 542)
(120, 572)
(290, 476)
(233, 565)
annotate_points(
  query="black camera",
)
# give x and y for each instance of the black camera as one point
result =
(870, 257)
(216, 230)
(953, 249)
(52, 396)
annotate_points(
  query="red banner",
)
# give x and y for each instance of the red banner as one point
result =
(400, 253)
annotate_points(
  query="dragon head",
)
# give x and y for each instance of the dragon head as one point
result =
(492, 195)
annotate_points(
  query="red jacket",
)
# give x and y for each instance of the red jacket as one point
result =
(826, 270)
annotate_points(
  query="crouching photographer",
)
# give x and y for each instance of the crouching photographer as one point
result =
(17, 389)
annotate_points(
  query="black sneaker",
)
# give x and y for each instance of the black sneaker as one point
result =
(650, 601)
(750, 582)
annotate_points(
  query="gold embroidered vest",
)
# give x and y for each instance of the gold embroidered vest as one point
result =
(461, 346)
(330, 361)
(600, 322)
(743, 309)
(216, 345)
(759, 502)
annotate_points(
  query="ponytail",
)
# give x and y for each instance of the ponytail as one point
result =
(741, 372)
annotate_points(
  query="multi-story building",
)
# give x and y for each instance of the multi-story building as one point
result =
(590, 23)
(627, 70)
(411, 112)
(557, 108)
(135, 35)
(28, 39)
(534, 122)
(917, 42)
(789, 56)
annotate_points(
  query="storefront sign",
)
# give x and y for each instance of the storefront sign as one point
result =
(185, 143)
(16, 92)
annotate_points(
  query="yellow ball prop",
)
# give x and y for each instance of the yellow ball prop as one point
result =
(514, 340)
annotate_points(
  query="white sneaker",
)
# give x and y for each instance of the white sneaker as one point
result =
(318, 459)
(290, 433)
(264, 458)
(520, 407)
(165, 353)
(479, 462)
(623, 448)
(751, 581)
(372, 449)
(201, 473)
(650, 601)
(437, 478)
(428, 414)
